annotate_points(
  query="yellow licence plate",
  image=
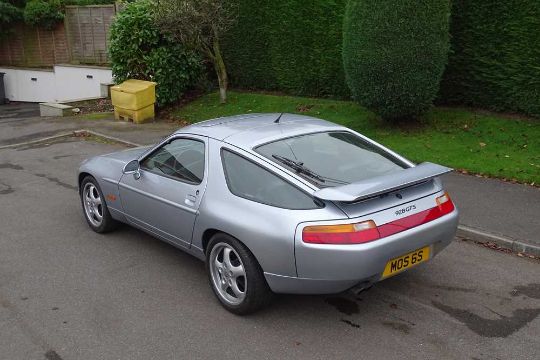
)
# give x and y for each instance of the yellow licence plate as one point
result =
(406, 261)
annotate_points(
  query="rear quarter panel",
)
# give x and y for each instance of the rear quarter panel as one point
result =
(267, 231)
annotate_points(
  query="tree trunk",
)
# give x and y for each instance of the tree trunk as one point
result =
(221, 71)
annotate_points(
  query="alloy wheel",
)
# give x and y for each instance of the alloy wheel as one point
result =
(93, 206)
(228, 273)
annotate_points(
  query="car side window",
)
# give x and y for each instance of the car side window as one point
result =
(250, 181)
(182, 159)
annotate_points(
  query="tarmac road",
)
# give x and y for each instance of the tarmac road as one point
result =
(68, 293)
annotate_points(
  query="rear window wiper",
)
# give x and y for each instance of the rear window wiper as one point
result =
(299, 167)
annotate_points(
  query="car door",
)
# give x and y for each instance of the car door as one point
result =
(165, 198)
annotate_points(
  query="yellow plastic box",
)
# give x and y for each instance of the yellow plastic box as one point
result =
(137, 116)
(133, 94)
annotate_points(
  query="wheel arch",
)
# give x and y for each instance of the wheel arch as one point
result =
(81, 177)
(209, 233)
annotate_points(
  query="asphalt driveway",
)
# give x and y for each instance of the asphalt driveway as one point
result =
(68, 293)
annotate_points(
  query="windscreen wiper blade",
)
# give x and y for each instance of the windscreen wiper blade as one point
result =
(298, 167)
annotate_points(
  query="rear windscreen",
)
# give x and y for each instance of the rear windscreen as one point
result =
(337, 158)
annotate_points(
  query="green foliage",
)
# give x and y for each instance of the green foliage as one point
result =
(87, 2)
(9, 14)
(288, 45)
(495, 59)
(394, 53)
(44, 14)
(138, 50)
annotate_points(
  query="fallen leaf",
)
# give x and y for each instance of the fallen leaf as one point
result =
(482, 144)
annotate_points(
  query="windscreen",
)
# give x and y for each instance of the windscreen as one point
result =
(331, 158)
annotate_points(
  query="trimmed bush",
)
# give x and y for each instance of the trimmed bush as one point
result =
(288, 45)
(44, 14)
(495, 58)
(138, 51)
(394, 53)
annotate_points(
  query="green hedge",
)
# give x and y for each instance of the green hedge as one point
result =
(394, 54)
(45, 14)
(495, 59)
(295, 46)
(288, 45)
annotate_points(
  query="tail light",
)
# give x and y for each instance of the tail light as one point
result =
(341, 234)
(368, 231)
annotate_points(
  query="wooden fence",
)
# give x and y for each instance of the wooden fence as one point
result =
(33, 47)
(81, 39)
(87, 29)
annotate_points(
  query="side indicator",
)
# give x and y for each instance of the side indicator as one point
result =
(111, 197)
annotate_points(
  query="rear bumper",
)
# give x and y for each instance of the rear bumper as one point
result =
(326, 269)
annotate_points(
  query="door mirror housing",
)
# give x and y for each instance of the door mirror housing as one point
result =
(132, 167)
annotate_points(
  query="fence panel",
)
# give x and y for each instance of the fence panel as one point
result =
(34, 47)
(87, 29)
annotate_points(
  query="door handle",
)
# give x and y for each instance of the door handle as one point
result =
(190, 199)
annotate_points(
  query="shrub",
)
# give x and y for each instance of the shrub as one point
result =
(138, 50)
(288, 45)
(495, 58)
(394, 53)
(44, 14)
(9, 14)
(87, 2)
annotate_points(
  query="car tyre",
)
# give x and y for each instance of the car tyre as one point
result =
(95, 208)
(235, 276)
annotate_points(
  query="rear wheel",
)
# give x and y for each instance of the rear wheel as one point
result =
(235, 276)
(95, 209)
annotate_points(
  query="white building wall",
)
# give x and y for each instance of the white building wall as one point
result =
(78, 83)
(62, 84)
(29, 85)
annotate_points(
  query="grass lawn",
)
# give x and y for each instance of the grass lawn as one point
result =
(478, 143)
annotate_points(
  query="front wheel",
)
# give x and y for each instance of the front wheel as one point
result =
(95, 209)
(235, 276)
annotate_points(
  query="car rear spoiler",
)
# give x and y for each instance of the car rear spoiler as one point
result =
(382, 184)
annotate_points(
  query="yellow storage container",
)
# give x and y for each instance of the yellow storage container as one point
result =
(133, 94)
(137, 116)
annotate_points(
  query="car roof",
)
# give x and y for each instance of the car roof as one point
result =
(250, 130)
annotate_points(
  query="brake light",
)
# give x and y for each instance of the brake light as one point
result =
(367, 231)
(445, 204)
(341, 234)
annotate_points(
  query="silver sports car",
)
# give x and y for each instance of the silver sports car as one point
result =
(275, 203)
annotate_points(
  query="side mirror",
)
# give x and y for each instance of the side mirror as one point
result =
(132, 167)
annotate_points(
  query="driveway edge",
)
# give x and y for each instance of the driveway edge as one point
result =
(71, 133)
(506, 242)
(108, 137)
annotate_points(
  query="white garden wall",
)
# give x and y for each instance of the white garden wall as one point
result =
(61, 84)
